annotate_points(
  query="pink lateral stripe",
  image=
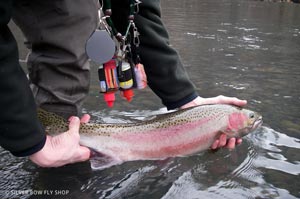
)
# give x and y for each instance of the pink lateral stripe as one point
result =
(159, 134)
(197, 144)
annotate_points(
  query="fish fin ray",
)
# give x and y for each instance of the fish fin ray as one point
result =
(100, 161)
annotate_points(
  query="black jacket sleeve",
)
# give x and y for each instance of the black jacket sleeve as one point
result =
(20, 131)
(165, 73)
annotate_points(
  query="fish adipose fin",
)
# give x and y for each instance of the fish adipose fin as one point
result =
(101, 161)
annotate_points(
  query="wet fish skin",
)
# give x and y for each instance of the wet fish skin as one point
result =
(178, 133)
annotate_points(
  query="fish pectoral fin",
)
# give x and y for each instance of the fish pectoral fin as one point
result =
(101, 161)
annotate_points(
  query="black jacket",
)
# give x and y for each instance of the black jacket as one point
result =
(165, 73)
(20, 130)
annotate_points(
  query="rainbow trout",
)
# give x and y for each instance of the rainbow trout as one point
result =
(179, 133)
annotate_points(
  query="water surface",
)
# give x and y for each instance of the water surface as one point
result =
(247, 49)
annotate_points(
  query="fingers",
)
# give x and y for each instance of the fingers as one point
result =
(84, 154)
(74, 126)
(215, 145)
(221, 142)
(229, 100)
(236, 101)
(81, 153)
(231, 143)
(223, 100)
(85, 118)
(224, 142)
(215, 100)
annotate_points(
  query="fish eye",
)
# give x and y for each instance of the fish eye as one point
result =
(251, 115)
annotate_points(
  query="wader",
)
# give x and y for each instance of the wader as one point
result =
(57, 31)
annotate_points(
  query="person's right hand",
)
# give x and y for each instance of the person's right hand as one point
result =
(64, 148)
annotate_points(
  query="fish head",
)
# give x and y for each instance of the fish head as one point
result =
(242, 121)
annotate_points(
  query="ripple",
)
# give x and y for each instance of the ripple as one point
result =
(127, 185)
(253, 47)
(222, 30)
(246, 29)
(191, 33)
(271, 146)
(239, 86)
(15, 181)
(115, 116)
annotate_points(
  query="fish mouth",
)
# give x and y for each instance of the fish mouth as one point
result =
(257, 123)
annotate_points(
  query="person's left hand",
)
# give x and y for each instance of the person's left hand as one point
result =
(63, 148)
(222, 141)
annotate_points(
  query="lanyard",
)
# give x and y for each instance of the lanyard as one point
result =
(107, 9)
(124, 71)
(123, 40)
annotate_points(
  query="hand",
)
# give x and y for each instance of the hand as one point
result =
(64, 148)
(222, 141)
(215, 100)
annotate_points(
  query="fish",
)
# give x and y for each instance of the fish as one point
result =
(179, 133)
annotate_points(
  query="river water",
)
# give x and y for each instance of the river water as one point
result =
(247, 49)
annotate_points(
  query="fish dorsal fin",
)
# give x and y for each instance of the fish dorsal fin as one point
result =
(101, 161)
